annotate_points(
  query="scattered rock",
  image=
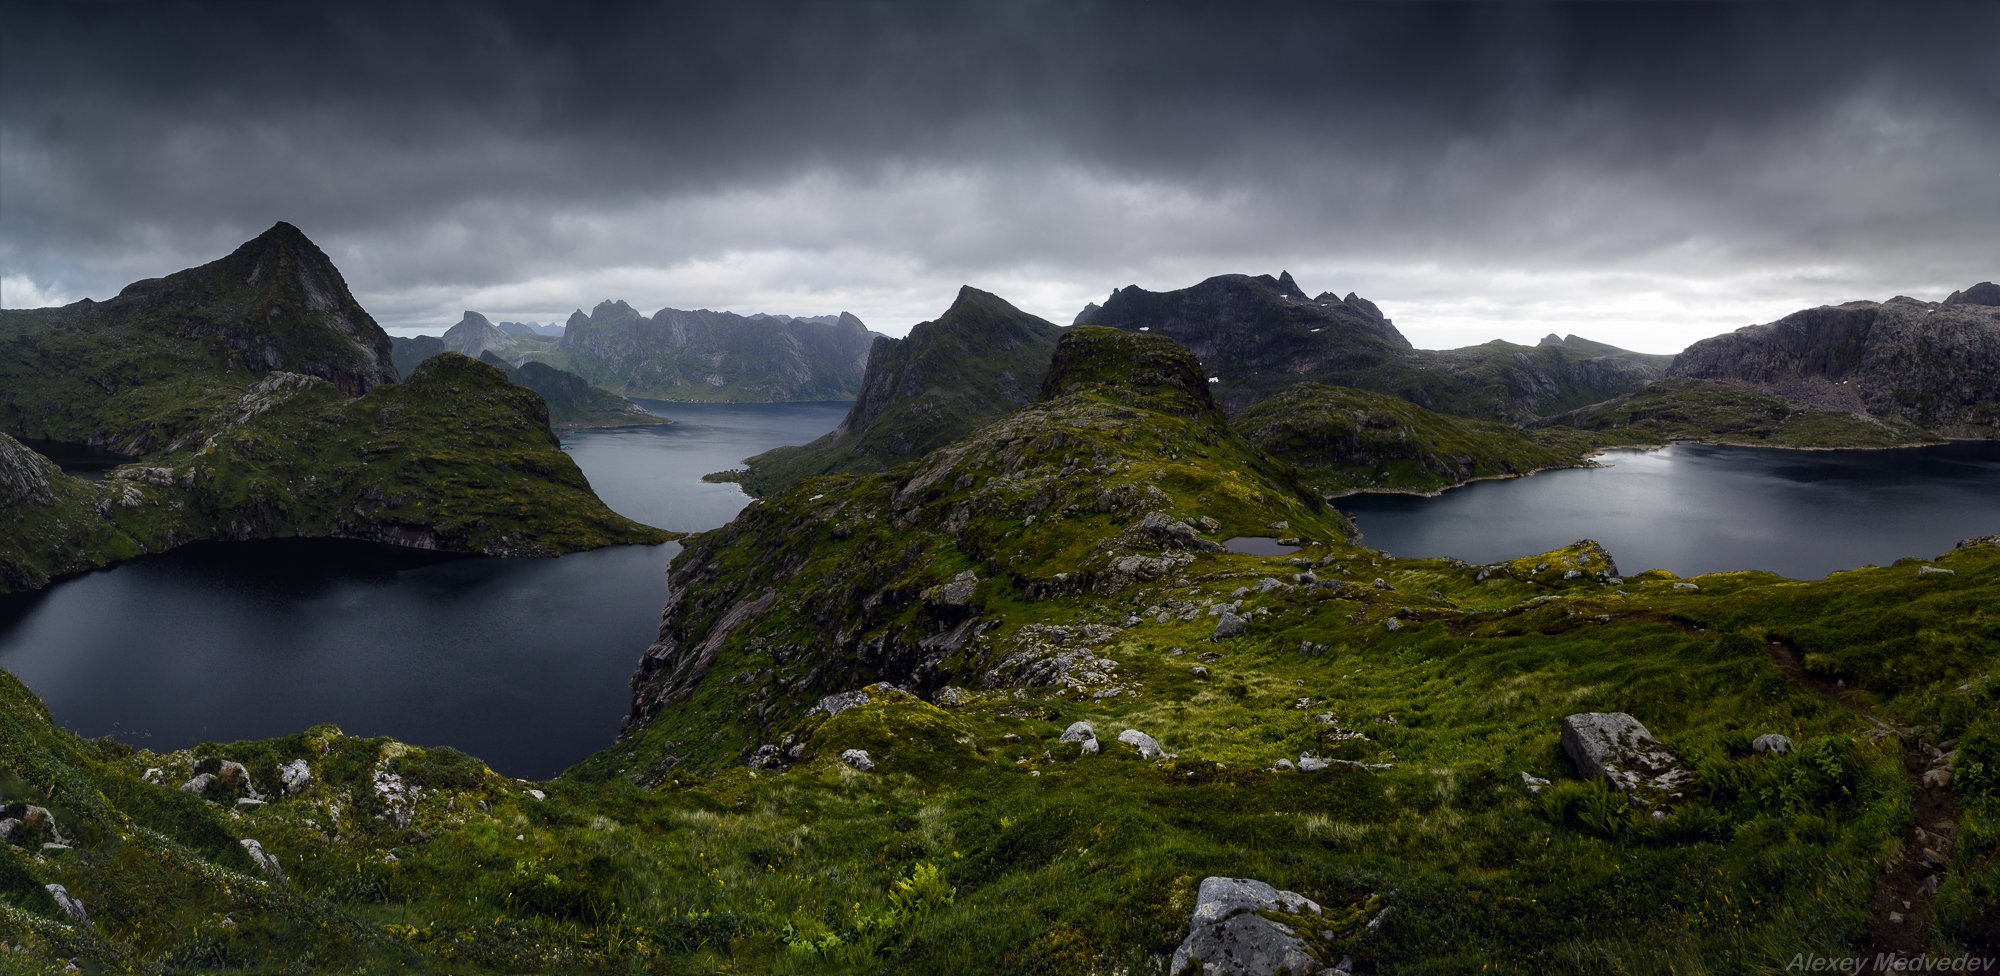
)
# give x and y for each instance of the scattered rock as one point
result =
(1312, 764)
(1231, 932)
(858, 758)
(1533, 783)
(1771, 743)
(399, 799)
(955, 594)
(1393, 624)
(1382, 584)
(1684, 585)
(296, 775)
(266, 861)
(833, 705)
(1083, 735)
(156, 776)
(1149, 748)
(952, 696)
(1282, 766)
(1229, 626)
(1935, 571)
(767, 756)
(1617, 748)
(1937, 779)
(1200, 673)
(538, 795)
(70, 904)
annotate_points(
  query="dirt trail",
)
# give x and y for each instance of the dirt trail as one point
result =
(1899, 925)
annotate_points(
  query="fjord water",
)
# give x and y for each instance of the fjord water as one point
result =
(1699, 509)
(521, 662)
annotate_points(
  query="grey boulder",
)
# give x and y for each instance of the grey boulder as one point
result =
(1149, 748)
(1616, 748)
(1772, 743)
(266, 861)
(1229, 626)
(1083, 735)
(858, 758)
(1228, 934)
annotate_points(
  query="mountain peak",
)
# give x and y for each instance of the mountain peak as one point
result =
(1984, 293)
(282, 305)
(1290, 287)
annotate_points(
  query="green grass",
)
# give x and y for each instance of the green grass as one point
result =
(982, 844)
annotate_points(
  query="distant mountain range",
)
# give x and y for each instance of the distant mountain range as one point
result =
(711, 356)
(1258, 335)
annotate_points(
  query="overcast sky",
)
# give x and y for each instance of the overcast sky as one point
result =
(1643, 175)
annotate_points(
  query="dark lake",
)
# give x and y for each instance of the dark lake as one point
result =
(1698, 509)
(522, 663)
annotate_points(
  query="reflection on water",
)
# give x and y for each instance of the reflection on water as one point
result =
(1697, 509)
(521, 662)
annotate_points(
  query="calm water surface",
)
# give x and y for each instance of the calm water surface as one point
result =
(522, 663)
(1698, 509)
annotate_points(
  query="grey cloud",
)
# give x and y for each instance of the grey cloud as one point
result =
(1452, 157)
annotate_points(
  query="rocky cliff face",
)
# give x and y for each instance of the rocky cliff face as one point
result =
(979, 361)
(1930, 364)
(1257, 336)
(713, 356)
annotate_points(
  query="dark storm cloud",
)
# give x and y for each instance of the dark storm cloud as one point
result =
(1481, 169)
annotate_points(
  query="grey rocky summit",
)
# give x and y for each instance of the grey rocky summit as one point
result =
(1616, 748)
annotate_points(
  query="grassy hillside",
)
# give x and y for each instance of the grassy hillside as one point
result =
(979, 842)
(1343, 440)
(1729, 413)
(454, 458)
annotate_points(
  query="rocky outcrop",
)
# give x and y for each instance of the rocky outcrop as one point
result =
(1932, 365)
(1616, 748)
(713, 356)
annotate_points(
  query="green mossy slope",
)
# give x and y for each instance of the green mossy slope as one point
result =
(980, 843)
(1717, 412)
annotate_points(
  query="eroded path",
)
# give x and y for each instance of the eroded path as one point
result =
(1901, 907)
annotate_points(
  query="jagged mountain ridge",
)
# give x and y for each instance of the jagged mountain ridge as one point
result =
(980, 360)
(703, 355)
(1258, 335)
(1935, 365)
